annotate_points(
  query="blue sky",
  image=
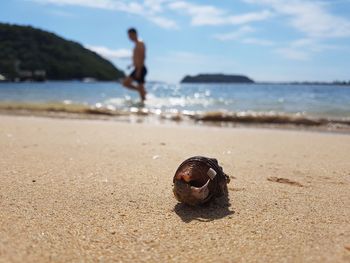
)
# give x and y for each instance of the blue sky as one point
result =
(267, 40)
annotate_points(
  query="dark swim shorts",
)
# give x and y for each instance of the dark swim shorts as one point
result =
(141, 79)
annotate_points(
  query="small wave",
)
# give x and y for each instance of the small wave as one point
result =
(64, 107)
(267, 118)
(247, 117)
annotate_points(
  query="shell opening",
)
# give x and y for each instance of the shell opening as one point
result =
(200, 192)
(197, 183)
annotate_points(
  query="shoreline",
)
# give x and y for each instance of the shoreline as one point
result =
(268, 120)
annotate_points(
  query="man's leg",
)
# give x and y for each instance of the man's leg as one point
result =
(142, 91)
(127, 82)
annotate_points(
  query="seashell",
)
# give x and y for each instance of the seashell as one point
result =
(198, 180)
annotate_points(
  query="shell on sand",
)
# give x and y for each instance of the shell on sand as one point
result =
(198, 180)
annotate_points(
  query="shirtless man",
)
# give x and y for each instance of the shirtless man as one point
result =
(140, 71)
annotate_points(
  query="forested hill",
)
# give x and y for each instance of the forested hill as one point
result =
(26, 51)
(216, 78)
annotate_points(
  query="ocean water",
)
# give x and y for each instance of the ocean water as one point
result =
(327, 101)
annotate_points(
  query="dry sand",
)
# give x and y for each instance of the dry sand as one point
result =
(101, 191)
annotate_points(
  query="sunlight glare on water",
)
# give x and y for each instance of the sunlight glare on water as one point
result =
(313, 100)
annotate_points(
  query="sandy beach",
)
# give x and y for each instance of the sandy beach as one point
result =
(101, 191)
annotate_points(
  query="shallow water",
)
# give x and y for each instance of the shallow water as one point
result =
(307, 100)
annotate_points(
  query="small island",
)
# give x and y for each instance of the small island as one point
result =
(28, 53)
(216, 78)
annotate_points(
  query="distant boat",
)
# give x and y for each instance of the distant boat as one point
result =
(88, 80)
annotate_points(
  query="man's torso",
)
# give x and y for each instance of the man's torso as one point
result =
(139, 54)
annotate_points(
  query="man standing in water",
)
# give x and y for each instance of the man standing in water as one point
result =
(140, 71)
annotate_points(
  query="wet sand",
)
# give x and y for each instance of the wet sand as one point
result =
(101, 191)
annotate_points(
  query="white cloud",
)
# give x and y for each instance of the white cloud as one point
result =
(103, 4)
(200, 13)
(155, 6)
(241, 35)
(312, 44)
(248, 17)
(309, 17)
(235, 34)
(110, 53)
(313, 20)
(163, 22)
(211, 15)
(149, 9)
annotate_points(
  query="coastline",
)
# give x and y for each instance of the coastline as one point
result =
(271, 120)
(97, 190)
